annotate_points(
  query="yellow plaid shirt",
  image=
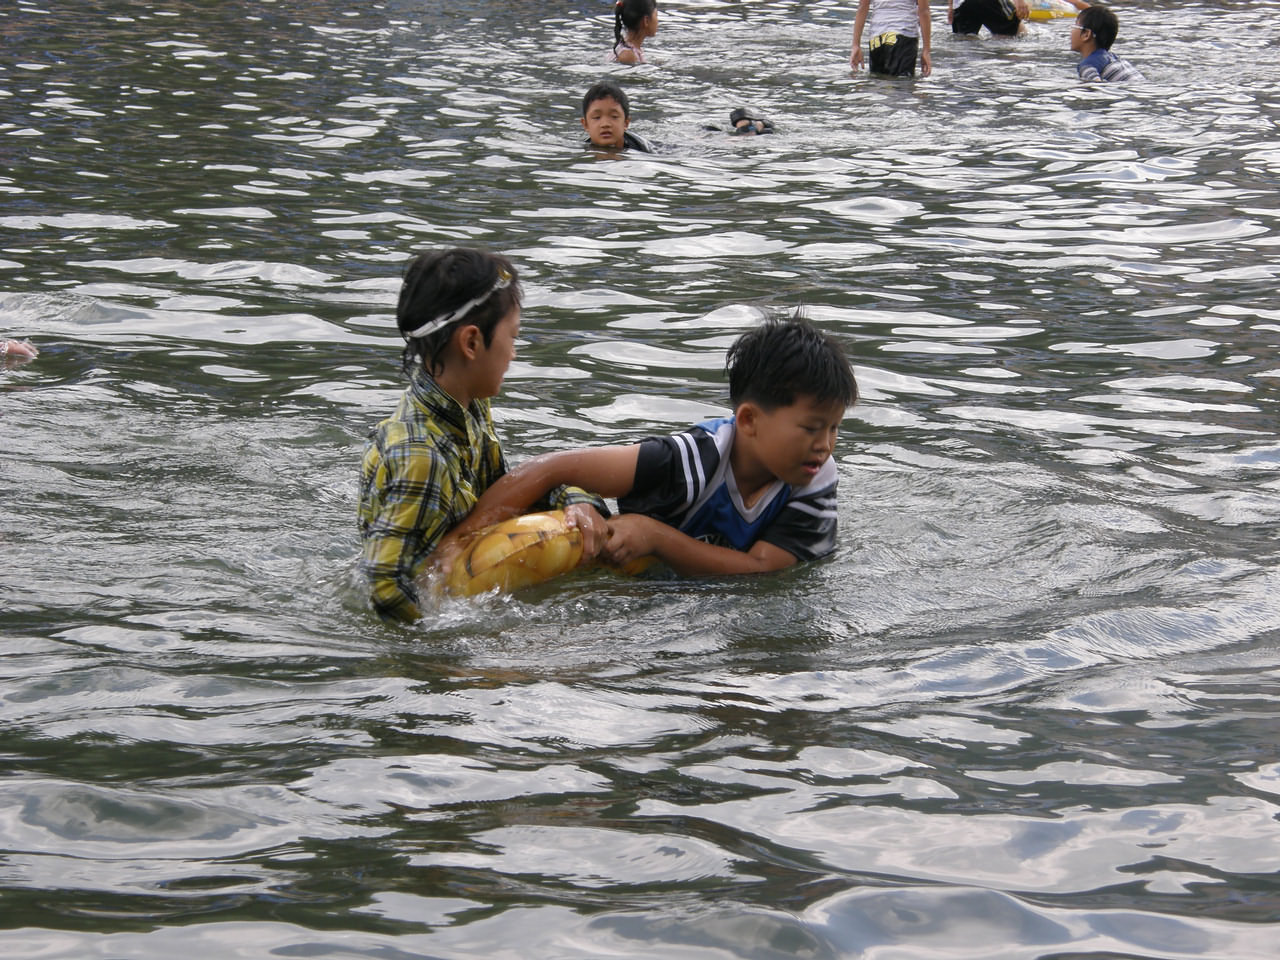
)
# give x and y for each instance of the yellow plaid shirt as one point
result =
(424, 467)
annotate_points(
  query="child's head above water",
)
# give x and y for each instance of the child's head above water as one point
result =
(787, 358)
(606, 114)
(446, 290)
(1100, 25)
(639, 18)
(790, 385)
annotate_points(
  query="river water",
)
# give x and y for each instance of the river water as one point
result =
(1027, 710)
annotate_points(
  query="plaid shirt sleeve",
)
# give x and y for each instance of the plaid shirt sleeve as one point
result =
(406, 492)
(566, 496)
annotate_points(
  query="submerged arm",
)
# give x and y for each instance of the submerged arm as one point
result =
(635, 535)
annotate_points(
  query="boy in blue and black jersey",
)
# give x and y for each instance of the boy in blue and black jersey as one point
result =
(748, 493)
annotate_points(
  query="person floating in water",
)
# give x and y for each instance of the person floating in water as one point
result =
(606, 115)
(742, 124)
(748, 493)
(1092, 34)
(425, 466)
(899, 30)
(634, 22)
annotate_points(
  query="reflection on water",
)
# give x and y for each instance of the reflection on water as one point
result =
(1027, 710)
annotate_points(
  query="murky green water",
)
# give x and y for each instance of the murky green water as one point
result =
(1029, 709)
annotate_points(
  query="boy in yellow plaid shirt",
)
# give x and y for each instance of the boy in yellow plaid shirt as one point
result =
(425, 466)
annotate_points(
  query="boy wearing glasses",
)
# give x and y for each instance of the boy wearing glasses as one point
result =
(1092, 35)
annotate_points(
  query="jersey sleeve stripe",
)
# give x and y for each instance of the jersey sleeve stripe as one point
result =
(814, 508)
(692, 464)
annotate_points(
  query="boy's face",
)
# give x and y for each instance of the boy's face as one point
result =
(492, 361)
(605, 123)
(793, 442)
(1079, 36)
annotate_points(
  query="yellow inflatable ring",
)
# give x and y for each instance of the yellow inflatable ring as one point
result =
(1049, 9)
(516, 553)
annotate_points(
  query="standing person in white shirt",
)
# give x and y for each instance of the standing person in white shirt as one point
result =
(899, 29)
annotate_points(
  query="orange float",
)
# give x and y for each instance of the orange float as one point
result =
(516, 553)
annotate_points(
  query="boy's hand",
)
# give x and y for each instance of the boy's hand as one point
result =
(594, 528)
(926, 63)
(855, 59)
(630, 536)
(441, 560)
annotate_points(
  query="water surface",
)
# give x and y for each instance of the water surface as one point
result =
(1028, 709)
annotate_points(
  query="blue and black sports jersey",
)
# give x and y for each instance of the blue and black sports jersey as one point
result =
(685, 480)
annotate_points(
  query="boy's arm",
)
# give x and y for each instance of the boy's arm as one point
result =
(634, 535)
(390, 586)
(859, 22)
(610, 471)
(413, 488)
(926, 32)
(1088, 72)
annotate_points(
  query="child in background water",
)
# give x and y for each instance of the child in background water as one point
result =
(425, 466)
(1092, 34)
(634, 21)
(606, 114)
(899, 29)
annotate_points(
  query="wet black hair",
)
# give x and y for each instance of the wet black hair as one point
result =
(785, 358)
(603, 90)
(438, 281)
(1102, 23)
(629, 13)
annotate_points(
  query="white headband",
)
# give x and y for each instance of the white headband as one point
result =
(440, 322)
